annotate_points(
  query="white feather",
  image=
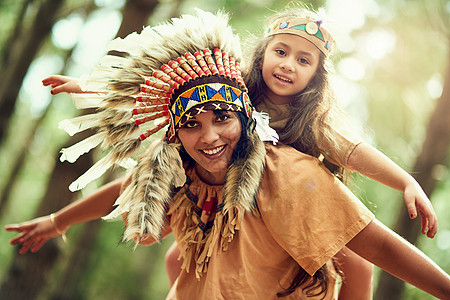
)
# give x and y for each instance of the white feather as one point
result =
(123, 203)
(264, 131)
(78, 124)
(129, 44)
(89, 100)
(127, 163)
(97, 170)
(113, 61)
(99, 79)
(72, 153)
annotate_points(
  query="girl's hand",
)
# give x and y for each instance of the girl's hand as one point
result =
(417, 201)
(61, 84)
(33, 234)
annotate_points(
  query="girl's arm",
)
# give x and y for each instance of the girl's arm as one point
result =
(34, 233)
(384, 248)
(62, 84)
(370, 162)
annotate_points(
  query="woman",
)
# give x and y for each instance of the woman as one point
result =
(247, 216)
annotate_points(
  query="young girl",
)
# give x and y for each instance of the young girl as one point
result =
(235, 215)
(288, 78)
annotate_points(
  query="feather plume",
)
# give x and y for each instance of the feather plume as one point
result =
(125, 148)
(127, 44)
(113, 61)
(122, 203)
(83, 101)
(72, 153)
(79, 124)
(264, 131)
(119, 101)
(127, 163)
(97, 170)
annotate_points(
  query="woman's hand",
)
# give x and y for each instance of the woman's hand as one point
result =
(61, 84)
(34, 233)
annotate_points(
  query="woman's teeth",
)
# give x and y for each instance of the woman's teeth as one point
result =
(213, 151)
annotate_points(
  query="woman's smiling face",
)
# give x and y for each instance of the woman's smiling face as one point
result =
(210, 138)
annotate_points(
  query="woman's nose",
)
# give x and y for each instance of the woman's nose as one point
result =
(209, 134)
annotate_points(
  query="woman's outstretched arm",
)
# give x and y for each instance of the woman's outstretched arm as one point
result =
(34, 233)
(387, 250)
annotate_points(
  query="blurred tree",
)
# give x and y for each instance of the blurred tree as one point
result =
(28, 274)
(14, 35)
(435, 152)
(19, 161)
(18, 60)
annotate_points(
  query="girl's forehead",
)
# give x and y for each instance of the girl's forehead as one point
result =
(294, 42)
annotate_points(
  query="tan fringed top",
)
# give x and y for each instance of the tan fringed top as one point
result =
(306, 217)
(337, 151)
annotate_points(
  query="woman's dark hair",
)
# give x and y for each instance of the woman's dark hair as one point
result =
(240, 148)
(311, 285)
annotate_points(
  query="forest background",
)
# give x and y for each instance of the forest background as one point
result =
(392, 74)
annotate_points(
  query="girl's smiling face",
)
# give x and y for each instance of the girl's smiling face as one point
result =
(290, 62)
(210, 138)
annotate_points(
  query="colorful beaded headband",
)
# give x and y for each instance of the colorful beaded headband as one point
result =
(305, 28)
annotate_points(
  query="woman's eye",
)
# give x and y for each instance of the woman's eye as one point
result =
(280, 52)
(190, 124)
(223, 117)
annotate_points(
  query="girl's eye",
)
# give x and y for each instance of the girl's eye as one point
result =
(303, 61)
(280, 52)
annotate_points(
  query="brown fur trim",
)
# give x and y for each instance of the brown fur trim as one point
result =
(154, 179)
(244, 177)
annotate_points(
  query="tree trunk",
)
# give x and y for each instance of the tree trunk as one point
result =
(21, 58)
(434, 152)
(67, 286)
(135, 16)
(28, 273)
(14, 35)
(19, 161)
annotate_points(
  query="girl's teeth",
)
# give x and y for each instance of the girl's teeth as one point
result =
(281, 78)
(213, 151)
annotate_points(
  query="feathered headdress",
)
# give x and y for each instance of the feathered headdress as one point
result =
(168, 74)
